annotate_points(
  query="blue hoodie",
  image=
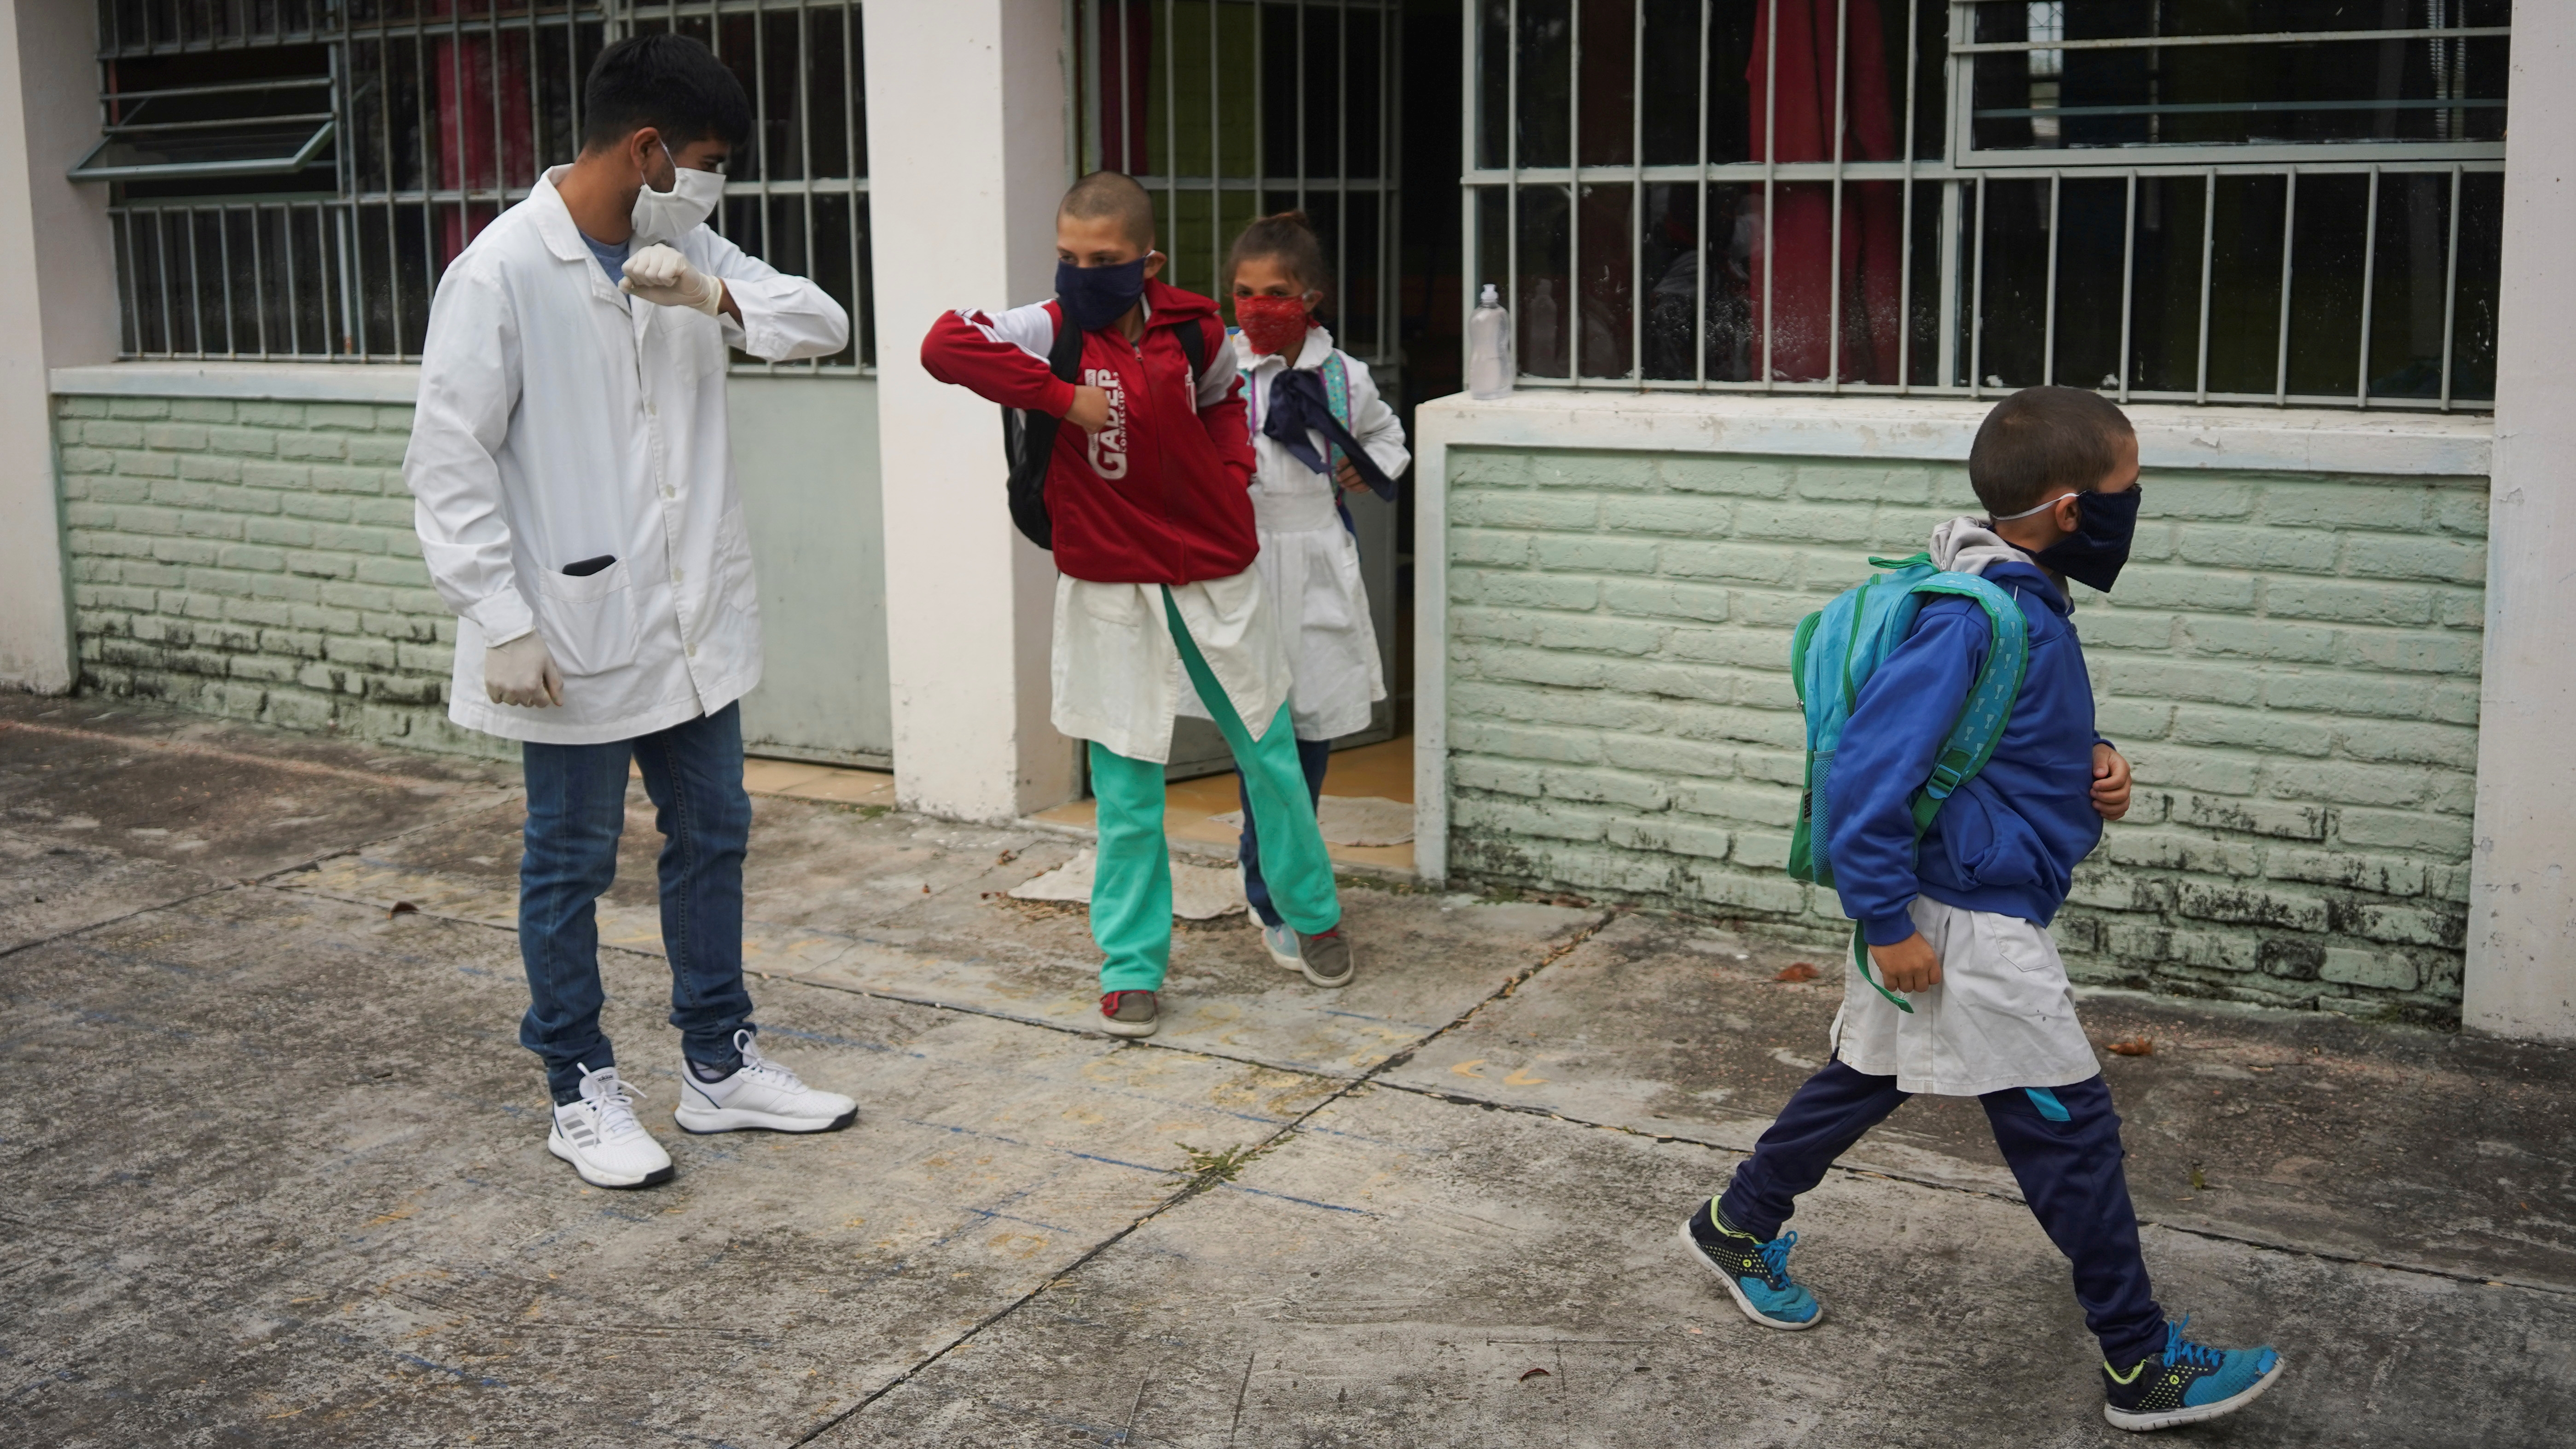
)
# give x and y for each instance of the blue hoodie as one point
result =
(2008, 840)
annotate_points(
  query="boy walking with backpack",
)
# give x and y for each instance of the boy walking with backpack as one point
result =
(1145, 504)
(1955, 780)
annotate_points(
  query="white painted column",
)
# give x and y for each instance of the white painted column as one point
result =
(2521, 978)
(57, 309)
(966, 106)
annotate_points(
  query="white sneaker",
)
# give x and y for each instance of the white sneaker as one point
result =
(1281, 942)
(760, 1094)
(602, 1140)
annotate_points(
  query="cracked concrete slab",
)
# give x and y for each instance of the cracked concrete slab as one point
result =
(1512, 1280)
(325, 1203)
(916, 909)
(274, 1171)
(2279, 1127)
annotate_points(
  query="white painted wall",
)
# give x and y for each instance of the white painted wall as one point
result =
(968, 101)
(2521, 977)
(55, 231)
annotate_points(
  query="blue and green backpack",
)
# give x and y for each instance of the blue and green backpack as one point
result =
(1835, 651)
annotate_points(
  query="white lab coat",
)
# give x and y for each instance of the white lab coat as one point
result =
(1309, 563)
(556, 424)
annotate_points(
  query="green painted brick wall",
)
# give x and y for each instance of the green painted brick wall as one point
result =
(256, 560)
(2290, 662)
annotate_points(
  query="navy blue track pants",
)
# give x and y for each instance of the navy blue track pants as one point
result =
(2070, 1173)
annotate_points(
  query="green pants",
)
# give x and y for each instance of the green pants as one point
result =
(1131, 892)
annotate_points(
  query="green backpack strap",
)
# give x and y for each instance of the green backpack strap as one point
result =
(1980, 725)
(1337, 397)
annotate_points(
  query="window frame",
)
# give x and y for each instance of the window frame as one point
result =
(1963, 177)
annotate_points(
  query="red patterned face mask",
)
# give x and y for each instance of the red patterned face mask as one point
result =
(1272, 324)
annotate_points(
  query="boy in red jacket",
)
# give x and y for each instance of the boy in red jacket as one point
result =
(1154, 537)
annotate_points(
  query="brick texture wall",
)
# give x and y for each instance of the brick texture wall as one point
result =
(2290, 662)
(257, 560)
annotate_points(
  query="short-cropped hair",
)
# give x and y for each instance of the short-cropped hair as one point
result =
(1113, 194)
(2041, 442)
(668, 82)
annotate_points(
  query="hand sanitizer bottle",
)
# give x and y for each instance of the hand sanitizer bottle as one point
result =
(1490, 364)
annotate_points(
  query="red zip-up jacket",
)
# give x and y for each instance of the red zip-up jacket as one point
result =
(1160, 495)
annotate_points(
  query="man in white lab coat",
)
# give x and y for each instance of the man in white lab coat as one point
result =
(577, 509)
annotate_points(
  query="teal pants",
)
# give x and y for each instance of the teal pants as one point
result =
(1131, 892)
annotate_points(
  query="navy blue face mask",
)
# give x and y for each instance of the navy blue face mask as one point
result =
(2093, 553)
(1094, 298)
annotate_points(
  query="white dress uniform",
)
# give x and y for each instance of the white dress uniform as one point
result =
(1309, 563)
(559, 424)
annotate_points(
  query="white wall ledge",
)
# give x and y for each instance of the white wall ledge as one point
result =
(2298, 440)
(349, 382)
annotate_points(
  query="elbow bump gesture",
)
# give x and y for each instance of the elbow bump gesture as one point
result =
(659, 274)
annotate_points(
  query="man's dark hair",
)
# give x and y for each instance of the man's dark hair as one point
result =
(2044, 441)
(668, 82)
(1112, 194)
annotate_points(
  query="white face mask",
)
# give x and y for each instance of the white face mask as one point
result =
(667, 216)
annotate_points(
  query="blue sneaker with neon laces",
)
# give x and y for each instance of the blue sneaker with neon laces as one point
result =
(1756, 1272)
(2186, 1383)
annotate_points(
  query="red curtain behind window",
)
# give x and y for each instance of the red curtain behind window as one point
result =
(474, 148)
(1801, 254)
(1126, 63)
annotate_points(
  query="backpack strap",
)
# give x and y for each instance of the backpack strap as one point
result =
(1193, 339)
(1980, 725)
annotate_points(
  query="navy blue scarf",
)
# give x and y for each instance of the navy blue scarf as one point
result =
(1298, 405)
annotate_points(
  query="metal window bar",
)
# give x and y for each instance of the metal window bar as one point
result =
(1121, 83)
(1968, 216)
(410, 181)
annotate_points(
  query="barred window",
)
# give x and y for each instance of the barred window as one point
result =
(1231, 109)
(292, 177)
(2275, 201)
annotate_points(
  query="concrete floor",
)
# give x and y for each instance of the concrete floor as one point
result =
(272, 1171)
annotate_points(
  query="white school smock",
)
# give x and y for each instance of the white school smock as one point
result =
(2003, 1015)
(1118, 676)
(558, 424)
(1309, 563)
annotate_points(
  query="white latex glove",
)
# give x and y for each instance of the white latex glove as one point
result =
(522, 672)
(659, 274)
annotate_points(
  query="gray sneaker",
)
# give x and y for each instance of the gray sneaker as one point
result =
(1326, 959)
(1130, 1013)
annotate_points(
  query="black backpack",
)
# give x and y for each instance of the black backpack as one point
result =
(1028, 436)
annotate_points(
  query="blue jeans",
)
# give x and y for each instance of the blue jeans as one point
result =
(576, 811)
(1312, 757)
(2070, 1174)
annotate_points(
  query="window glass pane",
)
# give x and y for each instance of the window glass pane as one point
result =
(1546, 74)
(2325, 286)
(1872, 274)
(2407, 291)
(1923, 354)
(1540, 312)
(2012, 263)
(1607, 99)
(1731, 59)
(2092, 232)
(2164, 312)
(2473, 329)
(1608, 280)
(1669, 247)
(1493, 83)
(2428, 88)
(1361, 108)
(1671, 116)
(2245, 285)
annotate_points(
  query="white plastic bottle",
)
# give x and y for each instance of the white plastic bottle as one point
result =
(1490, 364)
